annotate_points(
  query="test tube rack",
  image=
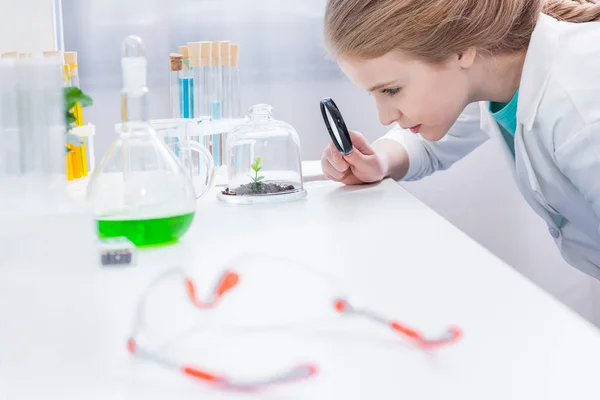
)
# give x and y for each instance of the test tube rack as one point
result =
(205, 84)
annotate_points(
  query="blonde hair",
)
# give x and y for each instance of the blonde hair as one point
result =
(432, 30)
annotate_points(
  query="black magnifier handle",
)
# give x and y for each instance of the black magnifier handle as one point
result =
(336, 126)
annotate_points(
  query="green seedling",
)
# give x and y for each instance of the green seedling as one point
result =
(256, 168)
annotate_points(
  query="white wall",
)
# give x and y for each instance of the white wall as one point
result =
(26, 26)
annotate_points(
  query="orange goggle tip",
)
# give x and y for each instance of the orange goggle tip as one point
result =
(230, 279)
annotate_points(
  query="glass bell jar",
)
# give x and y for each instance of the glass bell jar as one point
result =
(140, 190)
(263, 161)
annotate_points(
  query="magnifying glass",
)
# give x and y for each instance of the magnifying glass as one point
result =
(336, 126)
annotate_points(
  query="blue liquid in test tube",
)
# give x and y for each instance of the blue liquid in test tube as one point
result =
(186, 101)
(186, 86)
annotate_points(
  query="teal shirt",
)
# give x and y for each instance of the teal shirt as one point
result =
(506, 116)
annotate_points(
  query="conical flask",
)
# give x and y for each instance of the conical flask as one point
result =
(140, 190)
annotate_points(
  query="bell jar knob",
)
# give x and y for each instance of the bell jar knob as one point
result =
(260, 111)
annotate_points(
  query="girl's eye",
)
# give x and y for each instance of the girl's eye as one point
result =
(390, 92)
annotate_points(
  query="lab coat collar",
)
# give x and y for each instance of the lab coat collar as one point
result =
(537, 69)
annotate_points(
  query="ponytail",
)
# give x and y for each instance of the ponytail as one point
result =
(573, 10)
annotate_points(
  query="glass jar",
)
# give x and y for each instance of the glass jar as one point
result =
(263, 161)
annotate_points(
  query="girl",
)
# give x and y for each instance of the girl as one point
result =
(452, 73)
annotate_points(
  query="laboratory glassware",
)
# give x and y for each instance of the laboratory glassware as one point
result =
(9, 112)
(196, 158)
(336, 126)
(70, 58)
(194, 49)
(175, 66)
(194, 52)
(264, 162)
(175, 134)
(36, 210)
(240, 325)
(205, 76)
(140, 189)
(216, 99)
(226, 78)
(78, 156)
(236, 110)
(225, 91)
(186, 86)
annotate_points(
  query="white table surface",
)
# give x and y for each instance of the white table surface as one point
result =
(62, 334)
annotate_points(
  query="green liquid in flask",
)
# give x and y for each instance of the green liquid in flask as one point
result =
(147, 232)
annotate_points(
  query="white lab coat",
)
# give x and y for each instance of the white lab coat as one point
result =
(557, 141)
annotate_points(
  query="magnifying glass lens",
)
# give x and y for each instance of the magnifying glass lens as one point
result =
(334, 128)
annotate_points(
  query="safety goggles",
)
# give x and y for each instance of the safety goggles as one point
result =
(243, 321)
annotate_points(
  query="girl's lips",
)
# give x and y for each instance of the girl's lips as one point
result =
(415, 129)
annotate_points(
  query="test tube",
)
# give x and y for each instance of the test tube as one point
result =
(186, 86)
(225, 78)
(194, 49)
(176, 65)
(70, 58)
(225, 94)
(205, 89)
(216, 101)
(9, 109)
(3, 144)
(175, 71)
(236, 108)
(79, 156)
(40, 116)
(205, 78)
(54, 126)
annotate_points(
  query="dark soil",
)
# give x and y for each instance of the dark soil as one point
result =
(260, 188)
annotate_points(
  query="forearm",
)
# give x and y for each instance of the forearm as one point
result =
(393, 156)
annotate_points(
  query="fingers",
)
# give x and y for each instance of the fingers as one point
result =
(362, 152)
(336, 159)
(333, 164)
(332, 173)
(348, 178)
(360, 143)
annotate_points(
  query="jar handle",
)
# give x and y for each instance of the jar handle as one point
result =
(208, 164)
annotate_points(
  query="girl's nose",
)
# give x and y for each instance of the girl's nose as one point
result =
(388, 116)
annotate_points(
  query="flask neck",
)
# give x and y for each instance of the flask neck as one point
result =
(134, 95)
(134, 107)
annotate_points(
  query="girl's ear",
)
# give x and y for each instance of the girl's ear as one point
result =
(466, 58)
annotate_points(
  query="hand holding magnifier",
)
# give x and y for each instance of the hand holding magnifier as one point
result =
(336, 126)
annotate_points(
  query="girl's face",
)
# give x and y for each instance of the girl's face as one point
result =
(422, 97)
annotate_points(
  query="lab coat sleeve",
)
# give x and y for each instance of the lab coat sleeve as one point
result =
(426, 157)
(579, 161)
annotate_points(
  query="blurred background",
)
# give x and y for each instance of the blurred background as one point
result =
(282, 58)
(283, 63)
